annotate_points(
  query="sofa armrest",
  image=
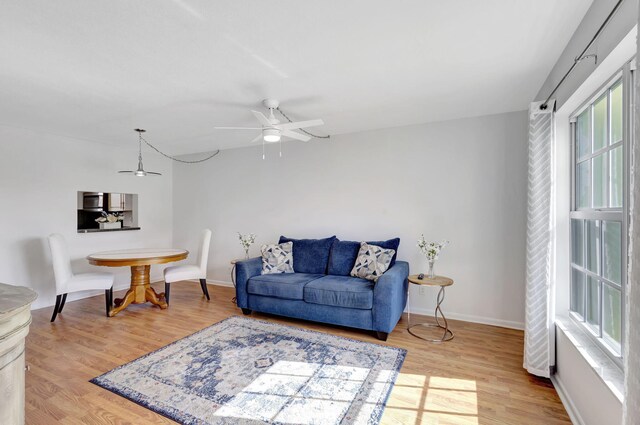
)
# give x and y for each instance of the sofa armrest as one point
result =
(390, 297)
(245, 270)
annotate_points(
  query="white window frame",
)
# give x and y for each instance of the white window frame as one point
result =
(626, 76)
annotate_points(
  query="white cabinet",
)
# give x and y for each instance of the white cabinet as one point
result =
(15, 318)
(119, 202)
(116, 202)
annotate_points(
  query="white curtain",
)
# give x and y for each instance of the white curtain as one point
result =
(538, 343)
(632, 335)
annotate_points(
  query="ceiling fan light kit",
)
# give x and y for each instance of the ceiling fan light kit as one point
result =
(271, 135)
(273, 131)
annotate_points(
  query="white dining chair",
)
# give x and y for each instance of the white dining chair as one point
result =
(188, 271)
(67, 282)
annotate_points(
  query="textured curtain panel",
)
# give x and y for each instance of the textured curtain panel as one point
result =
(538, 344)
(632, 335)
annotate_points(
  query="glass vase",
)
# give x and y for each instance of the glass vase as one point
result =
(246, 254)
(431, 273)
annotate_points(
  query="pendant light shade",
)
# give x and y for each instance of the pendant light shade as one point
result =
(140, 172)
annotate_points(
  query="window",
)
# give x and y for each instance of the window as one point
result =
(600, 132)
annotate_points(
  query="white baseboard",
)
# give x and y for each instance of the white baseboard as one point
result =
(88, 294)
(470, 318)
(220, 283)
(456, 316)
(214, 282)
(567, 402)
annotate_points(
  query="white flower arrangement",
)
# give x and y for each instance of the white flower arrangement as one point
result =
(431, 250)
(246, 241)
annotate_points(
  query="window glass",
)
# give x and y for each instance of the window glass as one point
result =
(593, 245)
(583, 134)
(598, 225)
(577, 242)
(616, 114)
(593, 301)
(582, 185)
(577, 292)
(612, 313)
(600, 123)
(616, 167)
(612, 261)
(599, 181)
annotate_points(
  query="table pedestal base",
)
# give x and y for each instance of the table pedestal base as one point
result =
(140, 291)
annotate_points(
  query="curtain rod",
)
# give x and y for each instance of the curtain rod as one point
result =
(582, 55)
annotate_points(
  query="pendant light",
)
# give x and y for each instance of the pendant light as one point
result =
(140, 171)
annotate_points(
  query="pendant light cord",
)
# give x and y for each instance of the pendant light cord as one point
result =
(301, 129)
(184, 161)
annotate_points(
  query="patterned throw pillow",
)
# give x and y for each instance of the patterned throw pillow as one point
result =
(277, 258)
(372, 261)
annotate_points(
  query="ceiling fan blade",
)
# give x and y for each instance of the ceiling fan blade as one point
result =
(238, 128)
(300, 124)
(153, 173)
(126, 172)
(257, 138)
(263, 120)
(297, 136)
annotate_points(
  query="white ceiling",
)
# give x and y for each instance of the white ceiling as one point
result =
(96, 70)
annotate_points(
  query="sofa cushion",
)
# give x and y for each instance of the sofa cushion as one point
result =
(277, 258)
(310, 255)
(288, 286)
(372, 261)
(340, 291)
(344, 253)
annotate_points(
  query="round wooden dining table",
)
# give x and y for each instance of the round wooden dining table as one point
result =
(140, 261)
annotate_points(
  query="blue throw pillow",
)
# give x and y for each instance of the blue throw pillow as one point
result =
(344, 254)
(310, 255)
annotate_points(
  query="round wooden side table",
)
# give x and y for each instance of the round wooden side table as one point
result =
(442, 282)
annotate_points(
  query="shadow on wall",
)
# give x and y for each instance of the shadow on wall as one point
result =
(39, 269)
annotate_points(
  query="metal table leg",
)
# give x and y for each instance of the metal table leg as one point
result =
(233, 280)
(447, 335)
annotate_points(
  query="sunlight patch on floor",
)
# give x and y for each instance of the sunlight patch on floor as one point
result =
(298, 392)
(436, 400)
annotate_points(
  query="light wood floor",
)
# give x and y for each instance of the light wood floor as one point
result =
(477, 378)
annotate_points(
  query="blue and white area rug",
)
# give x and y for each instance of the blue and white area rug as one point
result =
(245, 371)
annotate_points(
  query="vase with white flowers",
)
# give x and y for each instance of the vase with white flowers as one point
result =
(431, 250)
(246, 241)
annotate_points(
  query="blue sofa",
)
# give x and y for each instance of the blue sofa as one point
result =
(322, 290)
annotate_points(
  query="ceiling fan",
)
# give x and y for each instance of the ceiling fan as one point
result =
(272, 130)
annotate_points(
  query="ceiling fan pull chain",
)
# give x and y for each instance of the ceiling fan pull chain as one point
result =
(300, 129)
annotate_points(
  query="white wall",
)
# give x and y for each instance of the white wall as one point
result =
(39, 177)
(462, 180)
